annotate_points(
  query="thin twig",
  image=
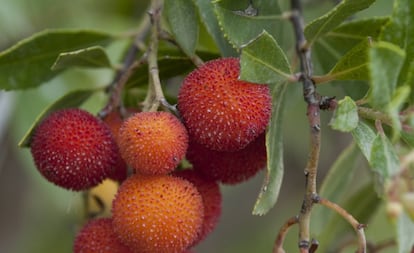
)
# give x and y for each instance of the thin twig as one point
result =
(358, 227)
(155, 96)
(129, 65)
(278, 247)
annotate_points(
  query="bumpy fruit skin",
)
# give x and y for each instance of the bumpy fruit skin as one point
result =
(158, 213)
(153, 143)
(120, 170)
(73, 149)
(220, 111)
(210, 192)
(229, 167)
(98, 236)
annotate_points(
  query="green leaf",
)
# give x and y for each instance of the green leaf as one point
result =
(27, 64)
(335, 17)
(209, 19)
(182, 18)
(405, 231)
(400, 31)
(333, 45)
(269, 192)
(385, 63)
(263, 61)
(241, 23)
(91, 57)
(352, 66)
(170, 63)
(408, 138)
(410, 80)
(398, 100)
(362, 205)
(345, 117)
(71, 99)
(384, 159)
(364, 137)
(337, 182)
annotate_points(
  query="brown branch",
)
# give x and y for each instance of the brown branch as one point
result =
(313, 100)
(278, 247)
(124, 73)
(358, 227)
(155, 96)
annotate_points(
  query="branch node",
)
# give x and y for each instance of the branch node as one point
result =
(316, 198)
(304, 244)
(314, 246)
(328, 103)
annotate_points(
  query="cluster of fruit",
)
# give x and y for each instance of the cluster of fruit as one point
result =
(160, 207)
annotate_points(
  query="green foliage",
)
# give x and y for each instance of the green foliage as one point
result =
(170, 63)
(183, 20)
(400, 31)
(263, 61)
(405, 228)
(209, 19)
(345, 118)
(28, 63)
(337, 183)
(335, 17)
(383, 160)
(269, 192)
(385, 64)
(241, 22)
(334, 44)
(377, 52)
(364, 137)
(92, 57)
(353, 65)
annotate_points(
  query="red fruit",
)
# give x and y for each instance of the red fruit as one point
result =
(158, 213)
(153, 142)
(210, 192)
(229, 167)
(220, 111)
(98, 236)
(120, 171)
(73, 149)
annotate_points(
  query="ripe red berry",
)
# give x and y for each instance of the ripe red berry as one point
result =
(153, 142)
(210, 192)
(220, 111)
(229, 167)
(158, 213)
(120, 170)
(73, 149)
(98, 236)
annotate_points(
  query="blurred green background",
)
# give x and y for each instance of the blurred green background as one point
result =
(38, 217)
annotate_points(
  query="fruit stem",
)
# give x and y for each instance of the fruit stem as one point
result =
(155, 96)
(124, 73)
